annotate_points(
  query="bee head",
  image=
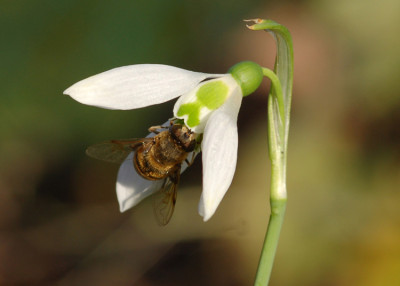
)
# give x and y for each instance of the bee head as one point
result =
(183, 136)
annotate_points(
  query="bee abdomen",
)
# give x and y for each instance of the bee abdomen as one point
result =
(158, 159)
(148, 167)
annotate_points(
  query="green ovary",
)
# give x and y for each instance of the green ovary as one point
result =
(212, 94)
(192, 110)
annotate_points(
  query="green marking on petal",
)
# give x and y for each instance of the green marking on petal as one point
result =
(192, 110)
(213, 94)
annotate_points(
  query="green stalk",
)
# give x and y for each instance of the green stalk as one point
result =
(278, 129)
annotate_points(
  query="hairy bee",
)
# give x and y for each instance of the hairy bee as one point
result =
(155, 158)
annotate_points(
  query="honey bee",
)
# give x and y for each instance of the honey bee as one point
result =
(155, 158)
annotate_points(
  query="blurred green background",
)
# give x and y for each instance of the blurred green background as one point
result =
(59, 218)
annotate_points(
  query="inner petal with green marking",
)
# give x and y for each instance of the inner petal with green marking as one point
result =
(213, 94)
(210, 95)
(197, 106)
(192, 110)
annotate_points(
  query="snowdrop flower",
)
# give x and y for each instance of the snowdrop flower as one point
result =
(208, 104)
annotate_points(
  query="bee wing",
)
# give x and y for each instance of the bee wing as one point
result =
(164, 200)
(115, 151)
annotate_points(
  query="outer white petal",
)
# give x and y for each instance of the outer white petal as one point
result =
(219, 146)
(131, 187)
(135, 86)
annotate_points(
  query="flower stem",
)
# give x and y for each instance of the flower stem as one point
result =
(270, 243)
(279, 101)
(277, 197)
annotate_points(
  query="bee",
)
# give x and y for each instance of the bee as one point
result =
(155, 158)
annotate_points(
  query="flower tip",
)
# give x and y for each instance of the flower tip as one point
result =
(122, 208)
(67, 91)
(204, 211)
(251, 27)
(255, 21)
(207, 208)
(206, 216)
(71, 91)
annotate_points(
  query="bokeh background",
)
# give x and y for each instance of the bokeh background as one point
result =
(59, 218)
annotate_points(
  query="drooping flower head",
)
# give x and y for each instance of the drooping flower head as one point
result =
(208, 104)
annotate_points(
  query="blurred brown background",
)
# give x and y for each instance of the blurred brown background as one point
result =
(59, 218)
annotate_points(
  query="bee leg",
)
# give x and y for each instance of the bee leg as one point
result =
(191, 161)
(155, 129)
(175, 176)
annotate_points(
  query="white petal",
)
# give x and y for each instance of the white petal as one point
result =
(131, 187)
(135, 86)
(219, 148)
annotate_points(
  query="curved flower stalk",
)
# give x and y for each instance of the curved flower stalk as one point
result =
(208, 104)
(279, 102)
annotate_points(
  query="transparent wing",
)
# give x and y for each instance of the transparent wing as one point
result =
(164, 200)
(115, 151)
